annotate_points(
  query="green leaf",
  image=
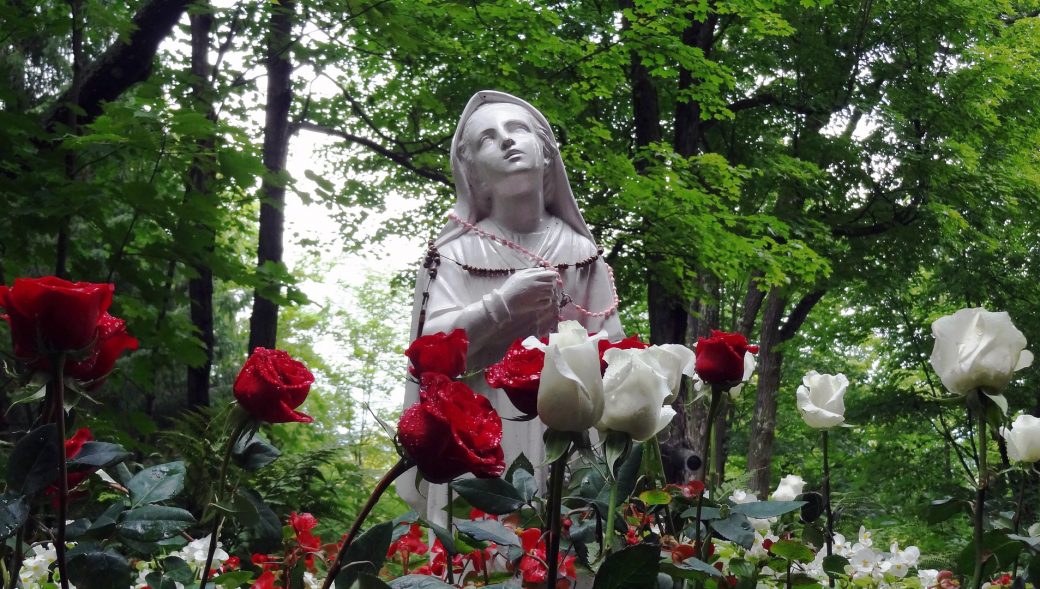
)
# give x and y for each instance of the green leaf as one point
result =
(658, 497)
(107, 520)
(615, 447)
(525, 485)
(366, 553)
(521, 463)
(493, 496)
(156, 483)
(634, 567)
(254, 452)
(98, 455)
(367, 581)
(33, 465)
(176, 569)
(152, 523)
(14, 510)
(556, 443)
(260, 518)
(792, 550)
(736, 528)
(418, 582)
(445, 536)
(488, 530)
(707, 513)
(941, 510)
(93, 568)
(834, 565)
(741, 568)
(696, 564)
(233, 579)
(766, 509)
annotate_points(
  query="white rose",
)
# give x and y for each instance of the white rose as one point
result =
(789, 489)
(977, 349)
(570, 393)
(1023, 439)
(635, 391)
(821, 399)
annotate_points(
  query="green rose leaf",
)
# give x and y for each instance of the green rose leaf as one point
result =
(33, 464)
(696, 564)
(736, 528)
(634, 567)
(98, 455)
(93, 568)
(254, 452)
(152, 523)
(156, 483)
(488, 530)
(14, 510)
(792, 550)
(494, 496)
(835, 564)
(764, 509)
(365, 554)
(418, 582)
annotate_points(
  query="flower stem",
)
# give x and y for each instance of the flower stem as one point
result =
(58, 387)
(827, 502)
(608, 536)
(716, 398)
(451, 517)
(552, 556)
(980, 493)
(218, 521)
(395, 471)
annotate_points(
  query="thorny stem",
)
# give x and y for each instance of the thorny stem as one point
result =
(218, 521)
(395, 471)
(58, 387)
(608, 537)
(716, 397)
(980, 493)
(827, 502)
(451, 516)
(552, 556)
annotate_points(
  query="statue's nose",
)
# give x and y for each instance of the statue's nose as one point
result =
(508, 142)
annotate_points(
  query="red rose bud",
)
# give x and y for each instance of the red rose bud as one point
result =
(629, 343)
(518, 375)
(272, 385)
(720, 358)
(53, 315)
(452, 431)
(439, 352)
(112, 341)
(74, 444)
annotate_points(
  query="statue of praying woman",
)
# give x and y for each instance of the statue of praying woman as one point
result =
(516, 258)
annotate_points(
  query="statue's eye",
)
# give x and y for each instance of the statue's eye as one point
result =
(484, 139)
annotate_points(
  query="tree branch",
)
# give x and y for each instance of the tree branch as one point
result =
(122, 65)
(799, 314)
(403, 159)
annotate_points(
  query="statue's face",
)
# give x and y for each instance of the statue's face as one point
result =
(501, 139)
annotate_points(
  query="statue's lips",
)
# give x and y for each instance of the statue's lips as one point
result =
(511, 153)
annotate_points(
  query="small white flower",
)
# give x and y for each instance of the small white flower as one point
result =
(789, 489)
(927, 577)
(1034, 530)
(821, 399)
(741, 496)
(978, 349)
(1023, 439)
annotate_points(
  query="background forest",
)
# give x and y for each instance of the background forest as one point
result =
(826, 178)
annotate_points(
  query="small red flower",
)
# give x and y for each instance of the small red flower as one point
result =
(518, 375)
(272, 385)
(475, 514)
(443, 353)
(532, 564)
(233, 563)
(265, 581)
(629, 343)
(690, 490)
(452, 431)
(683, 552)
(720, 358)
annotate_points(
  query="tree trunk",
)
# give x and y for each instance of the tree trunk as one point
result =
(763, 422)
(263, 324)
(199, 186)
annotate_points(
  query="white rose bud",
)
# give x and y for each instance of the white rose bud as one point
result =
(638, 385)
(789, 489)
(1023, 439)
(570, 393)
(821, 399)
(977, 349)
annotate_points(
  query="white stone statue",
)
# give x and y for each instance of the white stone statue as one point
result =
(516, 258)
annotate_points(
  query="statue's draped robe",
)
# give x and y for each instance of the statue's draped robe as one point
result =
(455, 288)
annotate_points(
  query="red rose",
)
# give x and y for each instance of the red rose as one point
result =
(439, 352)
(49, 314)
(720, 358)
(112, 340)
(271, 385)
(629, 343)
(518, 374)
(452, 431)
